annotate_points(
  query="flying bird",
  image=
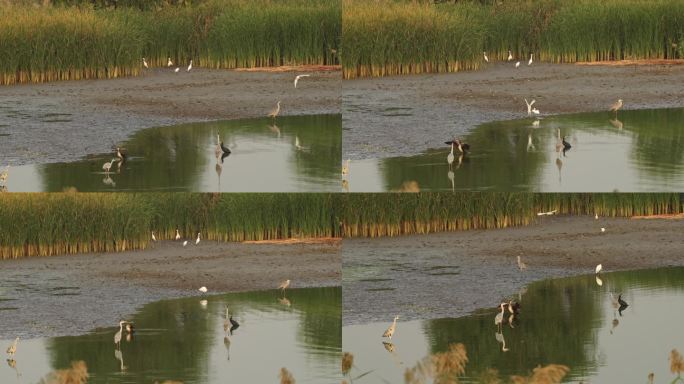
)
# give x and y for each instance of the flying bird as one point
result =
(296, 80)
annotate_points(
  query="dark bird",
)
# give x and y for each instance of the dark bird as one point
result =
(225, 149)
(463, 147)
(130, 328)
(234, 325)
(622, 302)
(566, 145)
(513, 307)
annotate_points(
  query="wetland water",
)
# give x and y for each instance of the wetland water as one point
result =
(640, 151)
(570, 321)
(265, 158)
(185, 340)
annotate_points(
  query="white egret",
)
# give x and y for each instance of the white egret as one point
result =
(154, 238)
(498, 320)
(296, 80)
(197, 241)
(13, 348)
(530, 62)
(178, 236)
(107, 166)
(598, 269)
(203, 289)
(535, 111)
(603, 230)
(189, 66)
(345, 167)
(510, 55)
(616, 106)
(529, 106)
(450, 156)
(283, 286)
(521, 265)
(117, 336)
(145, 63)
(485, 57)
(517, 65)
(177, 69)
(596, 216)
(185, 243)
(275, 111)
(390, 331)
(169, 62)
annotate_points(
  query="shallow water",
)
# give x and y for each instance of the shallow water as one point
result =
(640, 151)
(570, 321)
(264, 158)
(185, 340)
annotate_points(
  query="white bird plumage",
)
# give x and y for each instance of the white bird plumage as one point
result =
(197, 241)
(145, 63)
(517, 65)
(178, 236)
(283, 286)
(510, 55)
(154, 238)
(108, 166)
(450, 156)
(275, 111)
(177, 69)
(203, 289)
(13, 348)
(169, 62)
(185, 243)
(485, 57)
(530, 62)
(189, 66)
(529, 106)
(296, 80)
(598, 270)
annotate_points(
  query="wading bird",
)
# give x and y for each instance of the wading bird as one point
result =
(4, 174)
(530, 62)
(177, 69)
(283, 286)
(275, 111)
(390, 331)
(298, 146)
(345, 167)
(603, 230)
(462, 147)
(169, 62)
(513, 307)
(623, 304)
(189, 66)
(145, 63)
(521, 265)
(296, 80)
(178, 236)
(450, 156)
(154, 238)
(117, 335)
(598, 269)
(226, 150)
(529, 106)
(13, 348)
(198, 238)
(498, 320)
(535, 111)
(203, 289)
(596, 216)
(185, 243)
(107, 166)
(510, 55)
(485, 57)
(566, 145)
(120, 155)
(517, 65)
(616, 106)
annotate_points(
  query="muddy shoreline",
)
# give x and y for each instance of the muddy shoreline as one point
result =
(454, 274)
(73, 294)
(65, 121)
(406, 115)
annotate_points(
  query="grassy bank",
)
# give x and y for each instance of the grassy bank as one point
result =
(39, 44)
(58, 223)
(387, 37)
(374, 215)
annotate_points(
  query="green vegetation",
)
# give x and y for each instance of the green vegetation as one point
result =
(39, 44)
(61, 223)
(389, 37)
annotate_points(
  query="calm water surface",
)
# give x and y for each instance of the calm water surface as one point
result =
(185, 340)
(294, 154)
(640, 151)
(570, 321)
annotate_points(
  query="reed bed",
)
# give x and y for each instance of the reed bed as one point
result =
(385, 37)
(48, 224)
(376, 215)
(40, 44)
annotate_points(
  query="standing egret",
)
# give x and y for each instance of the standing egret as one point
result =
(198, 238)
(283, 286)
(203, 289)
(450, 157)
(535, 111)
(617, 105)
(5, 174)
(117, 336)
(120, 155)
(345, 167)
(596, 216)
(390, 331)
(517, 64)
(145, 63)
(178, 236)
(521, 265)
(598, 269)
(529, 106)
(177, 69)
(510, 55)
(498, 320)
(530, 62)
(485, 57)
(189, 66)
(603, 229)
(275, 111)
(107, 166)
(154, 238)
(296, 80)
(13, 348)
(169, 62)
(185, 243)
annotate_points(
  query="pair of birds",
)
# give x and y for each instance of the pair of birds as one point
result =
(169, 63)
(129, 328)
(121, 158)
(456, 143)
(513, 309)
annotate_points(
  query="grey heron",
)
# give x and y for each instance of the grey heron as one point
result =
(120, 155)
(283, 286)
(13, 348)
(296, 80)
(392, 328)
(616, 106)
(275, 111)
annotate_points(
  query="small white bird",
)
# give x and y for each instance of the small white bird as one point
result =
(596, 216)
(145, 63)
(190, 66)
(598, 269)
(178, 236)
(517, 65)
(485, 57)
(535, 111)
(185, 243)
(203, 289)
(198, 238)
(529, 106)
(177, 69)
(450, 156)
(530, 62)
(154, 238)
(510, 55)
(296, 80)
(603, 230)
(169, 62)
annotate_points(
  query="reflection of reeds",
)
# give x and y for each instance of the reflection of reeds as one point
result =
(442, 367)
(347, 362)
(286, 377)
(77, 374)
(676, 362)
(550, 374)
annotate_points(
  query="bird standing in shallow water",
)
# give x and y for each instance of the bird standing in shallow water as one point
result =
(510, 55)
(198, 239)
(178, 236)
(498, 320)
(616, 106)
(117, 336)
(275, 111)
(283, 286)
(530, 62)
(450, 156)
(169, 62)
(521, 265)
(390, 331)
(189, 66)
(108, 166)
(598, 269)
(13, 348)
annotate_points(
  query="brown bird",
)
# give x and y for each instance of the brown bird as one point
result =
(390, 331)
